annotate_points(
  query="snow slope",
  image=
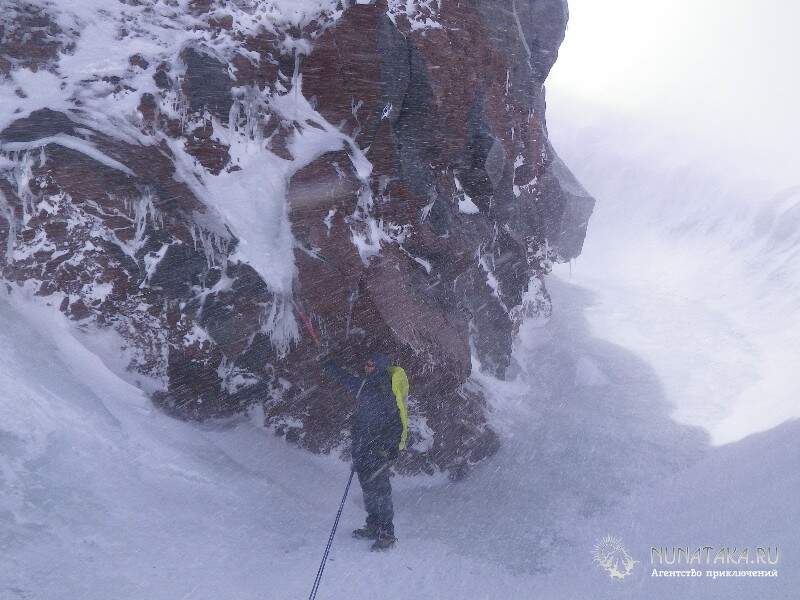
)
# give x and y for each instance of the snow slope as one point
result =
(105, 497)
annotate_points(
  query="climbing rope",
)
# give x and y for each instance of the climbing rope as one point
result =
(317, 580)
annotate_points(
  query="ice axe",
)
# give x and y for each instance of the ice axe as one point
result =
(309, 327)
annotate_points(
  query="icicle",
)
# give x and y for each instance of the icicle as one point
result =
(20, 177)
(142, 209)
(8, 212)
(280, 324)
(215, 247)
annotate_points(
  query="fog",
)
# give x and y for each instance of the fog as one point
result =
(719, 76)
(680, 118)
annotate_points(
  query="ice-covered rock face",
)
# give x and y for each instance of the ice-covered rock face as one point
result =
(236, 187)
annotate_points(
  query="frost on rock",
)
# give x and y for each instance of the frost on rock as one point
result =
(419, 14)
(224, 185)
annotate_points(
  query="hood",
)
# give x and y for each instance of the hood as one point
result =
(381, 362)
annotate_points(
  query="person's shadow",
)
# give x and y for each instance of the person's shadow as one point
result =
(582, 422)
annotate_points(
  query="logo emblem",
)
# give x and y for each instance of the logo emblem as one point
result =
(613, 557)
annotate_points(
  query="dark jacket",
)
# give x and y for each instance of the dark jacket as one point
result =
(376, 426)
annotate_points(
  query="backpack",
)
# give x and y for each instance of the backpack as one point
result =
(400, 389)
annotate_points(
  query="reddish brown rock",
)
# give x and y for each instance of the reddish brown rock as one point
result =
(29, 38)
(433, 253)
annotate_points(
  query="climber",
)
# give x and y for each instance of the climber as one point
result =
(379, 431)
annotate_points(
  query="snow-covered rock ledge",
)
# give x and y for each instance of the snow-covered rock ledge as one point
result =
(211, 186)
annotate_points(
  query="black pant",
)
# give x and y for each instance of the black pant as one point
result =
(377, 491)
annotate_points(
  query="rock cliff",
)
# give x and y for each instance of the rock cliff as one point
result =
(226, 192)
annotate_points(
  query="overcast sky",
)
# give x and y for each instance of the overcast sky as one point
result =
(724, 71)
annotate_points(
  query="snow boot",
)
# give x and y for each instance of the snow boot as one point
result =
(384, 541)
(366, 533)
